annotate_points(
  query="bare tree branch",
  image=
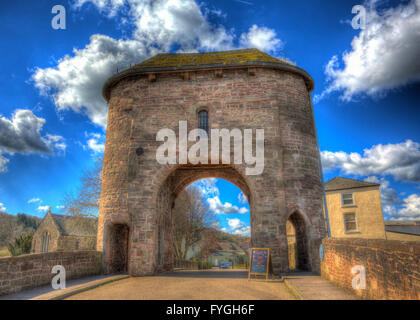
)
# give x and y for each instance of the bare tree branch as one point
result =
(192, 218)
(85, 202)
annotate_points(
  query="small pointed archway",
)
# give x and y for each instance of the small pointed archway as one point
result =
(297, 243)
(117, 235)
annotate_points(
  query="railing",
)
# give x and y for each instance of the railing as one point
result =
(184, 264)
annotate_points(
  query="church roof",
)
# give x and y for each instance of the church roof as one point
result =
(167, 62)
(75, 226)
(339, 183)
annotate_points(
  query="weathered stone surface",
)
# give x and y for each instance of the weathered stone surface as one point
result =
(34, 270)
(139, 192)
(392, 267)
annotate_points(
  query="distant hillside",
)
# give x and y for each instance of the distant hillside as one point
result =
(12, 226)
(241, 241)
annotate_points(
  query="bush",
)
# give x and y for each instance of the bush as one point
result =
(203, 265)
(21, 245)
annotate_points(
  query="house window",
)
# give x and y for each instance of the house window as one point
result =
(77, 245)
(350, 223)
(203, 120)
(45, 241)
(347, 199)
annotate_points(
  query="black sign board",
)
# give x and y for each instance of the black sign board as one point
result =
(259, 262)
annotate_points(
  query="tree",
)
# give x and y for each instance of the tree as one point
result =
(85, 202)
(192, 217)
(27, 221)
(209, 244)
(7, 227)
(21, 245)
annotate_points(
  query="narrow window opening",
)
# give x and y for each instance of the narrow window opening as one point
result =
(203, 120)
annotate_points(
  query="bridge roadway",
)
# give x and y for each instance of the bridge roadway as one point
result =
(216, 285)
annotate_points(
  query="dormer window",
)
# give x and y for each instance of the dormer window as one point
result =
(203, 120)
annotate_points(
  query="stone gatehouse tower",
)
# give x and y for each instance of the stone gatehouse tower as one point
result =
(245, 89)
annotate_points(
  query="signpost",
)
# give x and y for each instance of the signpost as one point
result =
(259, 263)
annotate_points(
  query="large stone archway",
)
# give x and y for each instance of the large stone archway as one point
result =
(177, 181)
(243, 89)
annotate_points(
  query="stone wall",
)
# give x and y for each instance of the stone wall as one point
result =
(33, 270)
(71, 243)
(392, 267)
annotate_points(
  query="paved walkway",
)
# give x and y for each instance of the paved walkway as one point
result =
(48, 290)
(309, 286)
(190, 285)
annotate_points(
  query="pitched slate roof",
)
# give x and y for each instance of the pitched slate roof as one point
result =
(75, 226)
(164, 62)
(339, 183)
(228, 246)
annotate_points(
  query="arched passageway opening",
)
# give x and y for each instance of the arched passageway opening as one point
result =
(297, 241)
(212, 227)
(176, 183)
(117, 254)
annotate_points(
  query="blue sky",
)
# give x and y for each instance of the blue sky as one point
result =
(52, 115)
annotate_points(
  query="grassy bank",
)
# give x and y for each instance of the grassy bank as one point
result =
(4, 252)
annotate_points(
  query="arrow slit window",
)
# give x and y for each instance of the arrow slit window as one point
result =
(203, 120)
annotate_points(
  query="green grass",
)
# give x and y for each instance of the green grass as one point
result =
(4, 252)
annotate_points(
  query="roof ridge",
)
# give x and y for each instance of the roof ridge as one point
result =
(341, 183)
(345, 178)
(208, 52)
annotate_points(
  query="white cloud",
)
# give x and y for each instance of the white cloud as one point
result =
(383, 56)
(2, 207)
(59, 207)
(224, 208)
(393, 207)
(76, 82)
(208, 187)
(402, 161)
(238, 227)
(411, 210)
(43, 208)
(96, 143)
(3, 163)
(261, 38)
(242, 198)
(57, 142)
(235, 223)
(22, 134)
(34, 200)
